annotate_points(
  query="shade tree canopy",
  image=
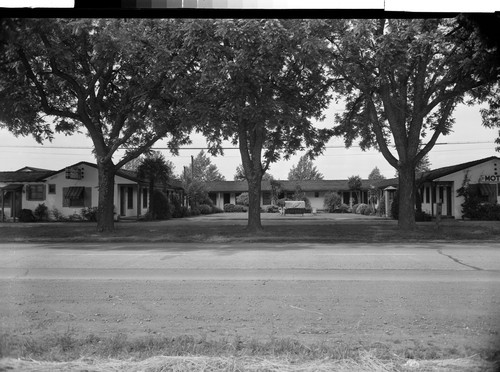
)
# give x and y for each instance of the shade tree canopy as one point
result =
(400, 80)
(266, 80)
(126, 83)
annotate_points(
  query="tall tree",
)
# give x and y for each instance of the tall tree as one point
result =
(266, 79)
(304, 170)
(354, 183)
(126, 83)
(194, 177)
(400, 81)
(134, 164)
(154, 169)
(204, 170)
(240, 175)
(375, 175)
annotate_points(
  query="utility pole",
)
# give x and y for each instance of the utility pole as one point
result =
(192, 167)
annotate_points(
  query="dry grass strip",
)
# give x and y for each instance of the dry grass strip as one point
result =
(366, 363)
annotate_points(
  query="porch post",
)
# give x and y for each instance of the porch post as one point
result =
(13, 208)
(138, 200)
(3, 205)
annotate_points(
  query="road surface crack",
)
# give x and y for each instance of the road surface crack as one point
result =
(458, 261)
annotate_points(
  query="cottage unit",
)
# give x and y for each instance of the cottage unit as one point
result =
(224, 192)
(441, 185)
(71, 189)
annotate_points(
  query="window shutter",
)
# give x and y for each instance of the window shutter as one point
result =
(87, 197)
(44, 187)
(65, 199)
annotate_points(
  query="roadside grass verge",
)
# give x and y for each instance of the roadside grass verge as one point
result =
(235, 354)
(67, 352)
(227, 231)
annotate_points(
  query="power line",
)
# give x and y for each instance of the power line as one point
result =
(222, 148)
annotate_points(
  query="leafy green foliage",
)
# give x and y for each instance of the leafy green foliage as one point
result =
(26, 215)
(160, 207)
(266, 81)
(354, 183)
(332, 201)
(41, 212)
(126, 82)
(375, 175)
(473, 206)
(89, 214)
(203, 170)
(304, 170)
(242, 199)
(401, 80)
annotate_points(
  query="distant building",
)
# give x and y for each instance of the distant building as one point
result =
(224, 192)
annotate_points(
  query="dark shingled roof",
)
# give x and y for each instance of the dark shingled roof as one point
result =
(441, 172)
(317, 185)
(30, 176)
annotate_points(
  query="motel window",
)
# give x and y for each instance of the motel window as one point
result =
(441, 195)
(74, 196)
(130, 197)
(498, 189)
(227, 198)
(35, 192)
(427, 194)
(266, 198)
(316, 194)
(144, 198)
(52, 189)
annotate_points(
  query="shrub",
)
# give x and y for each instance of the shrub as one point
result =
(89, 214)
(160, 207)
(178, 209)
(229, 207)
(217, 210)
(344, 208)
(271, 209)
(195, 211)
(243, 199)
(205, 209)
(41, 212)
(57, 215)
(75, 217)
(381, 206)
(355, 208)
(332, 201)
(26, 215)
(421, 216)
(488, 212)
(361, 208)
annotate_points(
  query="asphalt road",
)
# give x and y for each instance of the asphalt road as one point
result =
(404, 295)
(174, 261)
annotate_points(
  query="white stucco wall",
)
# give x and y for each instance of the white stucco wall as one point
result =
(90, 179)
(482, 173)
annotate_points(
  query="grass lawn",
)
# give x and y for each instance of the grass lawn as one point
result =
(215, 230)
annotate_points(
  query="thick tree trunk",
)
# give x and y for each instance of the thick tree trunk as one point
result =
(406, 221)
(254, 190)
(105, 214)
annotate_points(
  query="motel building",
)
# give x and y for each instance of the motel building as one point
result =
(226, 192)
(437, 186)
(441, 185)
(73, 188)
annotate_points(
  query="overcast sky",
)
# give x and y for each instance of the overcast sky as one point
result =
(474, 142)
